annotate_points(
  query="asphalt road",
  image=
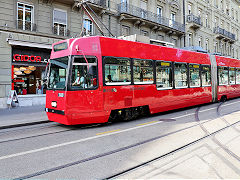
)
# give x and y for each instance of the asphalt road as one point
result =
(198, 142)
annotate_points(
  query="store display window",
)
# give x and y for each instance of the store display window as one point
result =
(28, 70)
(29, 80)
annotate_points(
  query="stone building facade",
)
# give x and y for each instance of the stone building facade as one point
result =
(29, 27)
(213, 25)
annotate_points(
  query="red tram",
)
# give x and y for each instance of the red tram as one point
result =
(98, 79)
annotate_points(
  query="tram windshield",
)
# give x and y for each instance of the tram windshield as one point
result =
(57, 75)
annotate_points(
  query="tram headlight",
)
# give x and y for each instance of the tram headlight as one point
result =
(54, 104)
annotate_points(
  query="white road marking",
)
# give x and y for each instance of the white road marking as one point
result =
(95, 137)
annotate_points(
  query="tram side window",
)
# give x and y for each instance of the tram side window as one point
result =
(223, 75)
(206, 75)
(143, 71)
(163, 75)
(180, 75)
(84, 73)
(238, 76)
(232, 76)
(117, 70)
(194, 70)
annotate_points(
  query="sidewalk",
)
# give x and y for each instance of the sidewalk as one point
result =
(22, 116)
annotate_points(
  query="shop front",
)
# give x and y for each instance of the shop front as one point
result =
(28, 69)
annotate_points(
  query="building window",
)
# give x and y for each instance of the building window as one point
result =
(207, 45)
(221, 24)
(215, 21)
(221, 4)
(159, 11)
(200, 41)
(88, 26)
(190, 39)
(60, 22)
(25, 17)
(125, 30)
(172, 19)
(206, 20)
(199, 12)
(144, 33)
(160, 37)
(174, 41)
(215, 47)
(227, 9)
(189, 8)
(173, 16)
(143, 6)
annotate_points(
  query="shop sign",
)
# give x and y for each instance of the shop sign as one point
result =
(27, 58)
(18, 80)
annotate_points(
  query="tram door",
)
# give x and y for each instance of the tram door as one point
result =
(83, 84)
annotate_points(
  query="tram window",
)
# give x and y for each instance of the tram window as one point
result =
(84, 73)
(237, 76)
(163, 75)
(232, 76)
(223, 75)
(206, 75)
(180, 75)
(194, 70)
(57, 76)
(143, 71)
(117, 71)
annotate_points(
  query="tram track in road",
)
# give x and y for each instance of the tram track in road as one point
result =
(53, 124)
(44, 134)
(208, 134)
(132, 146)
(212, 136)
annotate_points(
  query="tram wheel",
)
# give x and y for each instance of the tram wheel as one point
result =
(223, 98)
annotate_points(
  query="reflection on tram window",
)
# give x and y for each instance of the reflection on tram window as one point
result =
(164, 74)
(180, 75)
(143, 71)
(206, 75)
(232, 76)
(223, 75)
(57, 76)
(237, 76)
(194, 70)
(84, 73)
(117, 70)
